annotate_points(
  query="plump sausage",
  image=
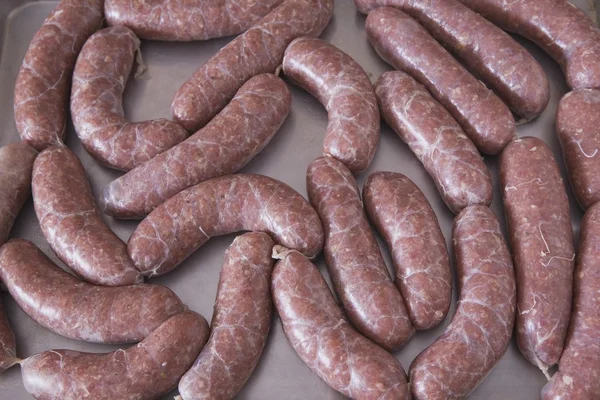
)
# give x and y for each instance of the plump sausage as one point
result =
(42, 86)
(76, 309)
(343, 87)
(240, 323)
(176, 20)
(101, 73)
(8, 343)
(541, 237)
(222, 147)
(359, 274)
(325, 341)
(259, 50)
(558, 27)
(16, 164)
(410, 228)
(578, 368)
(71, 223)
(145, 371)
(486, 50)
(220, 206)
(438, 141)
(407, 46)
(577, 121)
(453, 366)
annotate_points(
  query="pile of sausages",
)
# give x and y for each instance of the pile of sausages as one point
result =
(459, 88)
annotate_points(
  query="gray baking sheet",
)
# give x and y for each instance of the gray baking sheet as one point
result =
(280, 373)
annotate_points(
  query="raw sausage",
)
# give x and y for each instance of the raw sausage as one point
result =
(240, 323)
(222, 147)
(406, 45)
(453, 366)
(539, 224)
(42, 86)
(76, 309)
(359, 274)
(259, 50)
(578, 368)
(560, 28)
(145, 371)
(410, 228)
(177, 20)
(438, 141)
(16, 164)
(483, 48)
(220, 206)
(325, 341)
(8, 344)
(343, 87)
(101, 73)
(577, 121)
(71, 224)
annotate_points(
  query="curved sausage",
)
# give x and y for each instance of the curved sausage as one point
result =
(242, 315)
(259, 50)
(77, 310)
(480, 332)
(99, 79)
(410, 228)
(42, 86)
(539, 221)
(487, 51)
(325, 341)
(560, 28)
(578, 368)
(145, 371)
(8, 343)
(438, 141)
(221, 206)
(359, 274)
(343, 87)
(225, 145)
(71, 224)
(16, 164)
(406, 45)
(176, 20)
(577, 121)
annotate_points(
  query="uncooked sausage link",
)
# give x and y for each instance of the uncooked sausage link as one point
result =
(177, 20)
(359, 274)
(405, 220)
(222, 147)
(220, 206)
(76, 309)
(101, 73)
(259, 50)
(438, 141)
(406, 45)
(480, 332)
(316, 329)
(343, 87)
(538, 217)
(240, 323)
(8, 343)
(42, 86)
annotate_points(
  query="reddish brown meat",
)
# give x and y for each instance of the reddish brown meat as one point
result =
(71, 224)
(325, 341)
(42, 87)
(410, 228)
(222, 147)
(344, 89)
(407, 46)
(100, 76)
(453, 366)
(539, 222)
(8, 343)
(259, 50)
(359, 274)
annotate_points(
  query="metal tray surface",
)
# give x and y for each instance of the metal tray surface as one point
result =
(280, 373)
